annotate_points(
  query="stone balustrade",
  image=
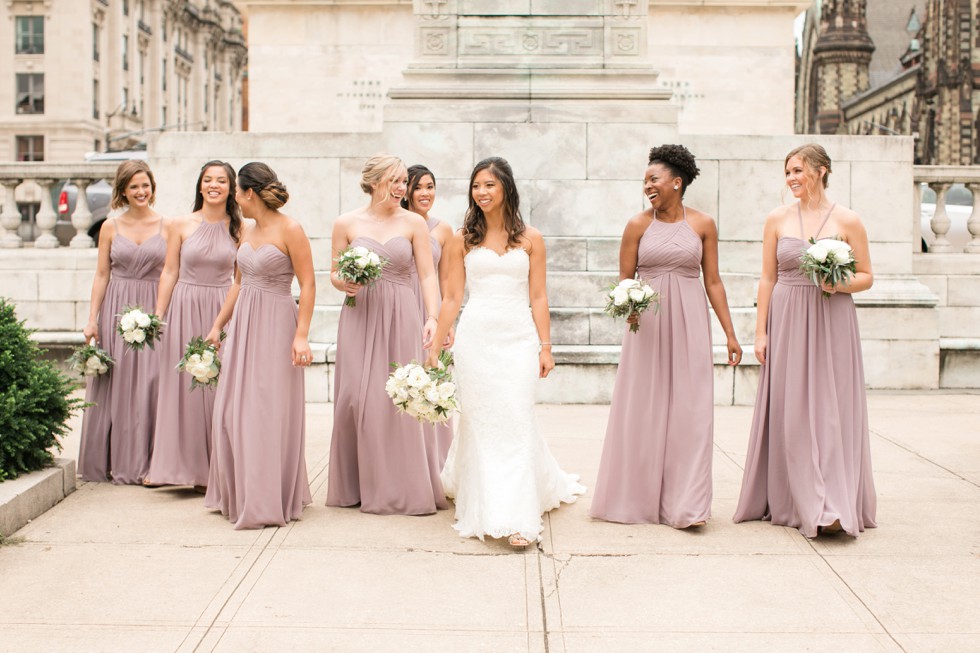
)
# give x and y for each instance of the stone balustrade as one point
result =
(940, 179)
(48, 177)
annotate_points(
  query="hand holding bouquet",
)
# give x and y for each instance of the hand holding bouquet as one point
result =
(631, 297)
(90, 360)
(428, 395)
(828, 260)
(138, 328)
(359, 265)
(201, 362)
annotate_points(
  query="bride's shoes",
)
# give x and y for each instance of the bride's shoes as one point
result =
(518, 541)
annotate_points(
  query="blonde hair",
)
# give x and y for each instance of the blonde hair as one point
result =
(124, 174)
(378, 171)
(813, 157)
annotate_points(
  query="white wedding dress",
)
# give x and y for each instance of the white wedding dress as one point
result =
(499, 469)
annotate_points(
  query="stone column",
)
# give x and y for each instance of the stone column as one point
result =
(10, 217)
(81, 218)
(46, 217)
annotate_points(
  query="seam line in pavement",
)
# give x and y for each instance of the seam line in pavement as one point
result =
(928, 460)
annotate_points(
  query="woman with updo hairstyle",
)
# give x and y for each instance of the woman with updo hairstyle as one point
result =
(656, 459)
(808, 464)
(117, 429)
(201, 252)
(419, 199)
(258, 465)
(379, 458)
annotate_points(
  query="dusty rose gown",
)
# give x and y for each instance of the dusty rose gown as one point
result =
(378, 457)
(182, 440)
(258, 464)
(438, 437)
(117, 432)
(656, 459)
(809, 457)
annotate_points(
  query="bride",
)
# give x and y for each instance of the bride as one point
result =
(500, 472)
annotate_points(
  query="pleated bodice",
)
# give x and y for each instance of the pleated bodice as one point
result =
(789, 256)
(143, 262)
(399, 253)
(266, 268)
(669, 248)
(207, 256)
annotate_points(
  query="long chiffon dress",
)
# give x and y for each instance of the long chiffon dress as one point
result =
(500, 471)
(378, 456)
(182, 440)
(656, 460)
(809, 458)
(117, 432)
(258, 463)
(438, 437)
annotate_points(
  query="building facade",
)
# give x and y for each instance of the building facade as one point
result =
(98, 75)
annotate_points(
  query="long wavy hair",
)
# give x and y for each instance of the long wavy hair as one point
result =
(231, 204)
(415, 175)
(475, 223)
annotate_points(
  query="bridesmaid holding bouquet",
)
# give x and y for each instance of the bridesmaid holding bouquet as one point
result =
(117, 431)
(656, 459)
(201, 252)
(809, 460)
(378, 457)
(258, 464)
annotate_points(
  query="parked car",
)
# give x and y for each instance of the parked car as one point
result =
(99, 197)
(959, 206)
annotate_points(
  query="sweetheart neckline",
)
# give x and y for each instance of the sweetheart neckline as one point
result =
(497, 254)
(138, 245)
(383, 244)
(256, 249)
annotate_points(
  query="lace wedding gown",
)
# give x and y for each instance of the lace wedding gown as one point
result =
(499, 470)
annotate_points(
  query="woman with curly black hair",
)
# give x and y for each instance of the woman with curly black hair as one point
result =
(656, 460)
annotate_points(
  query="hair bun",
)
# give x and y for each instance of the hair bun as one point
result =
(274, 194)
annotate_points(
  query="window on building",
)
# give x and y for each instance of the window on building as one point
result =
(163, 76)
(125, 7)
(206, 94)
(125, 98)
(125, 52)
(29, 36)
(30, 148)
(95, 99)
(96, 34)
(97, 145)
(142, 9)
(30, 93)
(163, 116)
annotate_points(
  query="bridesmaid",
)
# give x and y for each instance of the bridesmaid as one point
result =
(808, 464)
(258, 464)
(201, 252)
(656, 460)
(378, 457)
(117, 431)
(419, 199)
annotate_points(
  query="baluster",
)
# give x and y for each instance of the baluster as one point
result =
(81, 218)
(917, 217)
(46, 218)
(973, 224)
(940, 220)
(10, 217)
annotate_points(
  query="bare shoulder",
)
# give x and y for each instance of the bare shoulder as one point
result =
(846, 216)
(345, 219)
(532, 238)
(292, 228)
(700, 221)
(412, 218)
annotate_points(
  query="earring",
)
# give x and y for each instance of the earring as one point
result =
(677, 187)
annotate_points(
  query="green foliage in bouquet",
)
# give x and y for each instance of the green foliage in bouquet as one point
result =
(35, 400)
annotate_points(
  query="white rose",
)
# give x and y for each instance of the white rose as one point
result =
(103, 368)
(401, 394)
(129, 336)
(432, 394)
(194, 359)
(127, 322)
(391, 386)
(647, 292)
(361, 251)
(93, 362)
(401, 373)
(620, 296)
(818, 251)
(842, 251)
(418, 377)
(628, 284)
(637, 294)
(447, 389)
(212, 372)
(207, 357)
(361, 262)
(375, 259)
(139, 335)
(142, 319)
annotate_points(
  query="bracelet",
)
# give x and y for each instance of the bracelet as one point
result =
(544, 344)
(431, 317)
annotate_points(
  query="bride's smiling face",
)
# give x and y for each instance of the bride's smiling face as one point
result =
(487, 192)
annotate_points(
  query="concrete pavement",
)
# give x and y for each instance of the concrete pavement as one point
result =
(126, 568)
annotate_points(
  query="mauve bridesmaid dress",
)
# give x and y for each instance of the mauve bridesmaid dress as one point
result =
(809, 457)
(182, 437)
(656, 459)
(117, 432)
(378, 456)
(258, 463)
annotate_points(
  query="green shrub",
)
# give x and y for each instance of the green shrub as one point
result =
(35, 400)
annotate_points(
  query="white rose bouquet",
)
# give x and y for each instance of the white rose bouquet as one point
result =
(138, 328)
(201, 362)
(631, 296)
(829, 260)
(428, 395)
(360, 265)
(90, 360)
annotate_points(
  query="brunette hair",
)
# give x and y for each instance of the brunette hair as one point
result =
(124, 174)
(261, 179)
(415, 174)
(377, 171)
(475, 223)
(231, 204)
(813, 157)
(679, 160)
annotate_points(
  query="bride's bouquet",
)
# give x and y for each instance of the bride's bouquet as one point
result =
(201, 362)
(631, 296)
(138, 328)
(828, 260)
(428, 395)
(90, 360)
(360, 265)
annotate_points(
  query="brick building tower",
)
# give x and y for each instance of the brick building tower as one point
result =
(841, 57)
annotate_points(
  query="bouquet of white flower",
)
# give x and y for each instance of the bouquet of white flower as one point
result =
(631, 296)
(829, 260)
(90, 360)
(428, 395)
(138, 328)
(201, 362)
(360, 265)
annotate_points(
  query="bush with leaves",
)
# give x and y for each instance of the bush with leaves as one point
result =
(35, 400)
